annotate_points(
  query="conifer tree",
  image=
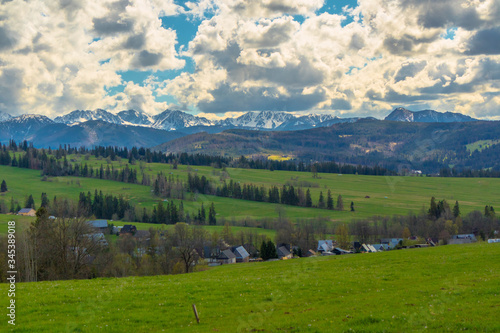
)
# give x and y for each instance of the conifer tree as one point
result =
(321, 201)
(433, 210)
(3, 187)
(45, 200)
(211, 215)
(456, 209)
(308, 199)
(30, 202)
(329, 200)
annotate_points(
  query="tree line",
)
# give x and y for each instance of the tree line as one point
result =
(150, 156)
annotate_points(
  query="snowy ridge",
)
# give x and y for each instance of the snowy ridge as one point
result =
(29, 119)
(173, 120)
(80, 116)
(427, 116)
(4, 116)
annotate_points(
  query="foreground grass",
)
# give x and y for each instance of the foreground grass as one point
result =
(449, 288)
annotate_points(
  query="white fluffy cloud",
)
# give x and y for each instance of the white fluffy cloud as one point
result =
(65, 55)
(393, 52)
(56, 56)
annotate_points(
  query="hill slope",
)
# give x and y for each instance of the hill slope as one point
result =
(423, 146)
(45, 133)
(449, 288)
(427, 116)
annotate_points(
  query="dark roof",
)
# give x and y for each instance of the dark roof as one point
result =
(227, 254)
(25, 210)
(99, 223)
(128, 228)
(283, 252)
(240, 252)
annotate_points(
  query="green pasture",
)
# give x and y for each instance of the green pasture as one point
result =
(372, 195)
(481, 144)
(445, 289)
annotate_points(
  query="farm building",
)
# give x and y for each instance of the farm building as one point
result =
(325, 245)
(381, 247)
(462, 239)
(283, 253)
(226, 257)
(391, 242)
(102, 225)
(27, 212)
(339, 251)
(309, 253)
(241, 254)
(128, 229)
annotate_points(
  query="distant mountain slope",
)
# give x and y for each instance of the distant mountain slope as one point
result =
(4, 116)
(427, 116)
(21, 127)
(423, 146)
(263, 119)
(45, 133)
(173, 120)
(133, 117)
(80, 116)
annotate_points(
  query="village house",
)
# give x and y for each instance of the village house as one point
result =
(283, 253)
(128, 229)
(101, 225)
(391, 242)
(226, 257)
(27, 212)
(462, 239)
(241, 254)
(381, 247)
(309, 253)
(339, 251)
(325, 246)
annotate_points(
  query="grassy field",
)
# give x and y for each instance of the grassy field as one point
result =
(21, 222)
(480, 145)
(210, 228)
(372, 195)
(449, 288)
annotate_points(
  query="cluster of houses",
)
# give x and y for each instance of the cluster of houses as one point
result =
(214, 256)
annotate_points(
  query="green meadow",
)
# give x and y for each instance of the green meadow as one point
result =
(210, 228)
(448, 288)
(372, 195)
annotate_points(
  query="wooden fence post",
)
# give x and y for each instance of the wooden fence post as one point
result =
(196, 313)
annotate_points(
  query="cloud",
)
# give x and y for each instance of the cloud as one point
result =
(6, 40)
(485, 42)
(137, 97)
(409, 69)
(71, 52)
(11, 85)
(60, 55)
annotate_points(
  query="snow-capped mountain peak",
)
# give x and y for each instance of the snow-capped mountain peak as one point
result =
(134, 117)
(427, 116)
(80, 116)
(30, 118)
(172, 120)
(263, 119)
(4, 116)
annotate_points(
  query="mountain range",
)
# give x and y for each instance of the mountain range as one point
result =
(427, 116)
(425, 146)
(132, 127)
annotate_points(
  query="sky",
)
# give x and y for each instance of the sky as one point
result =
(221, 58)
